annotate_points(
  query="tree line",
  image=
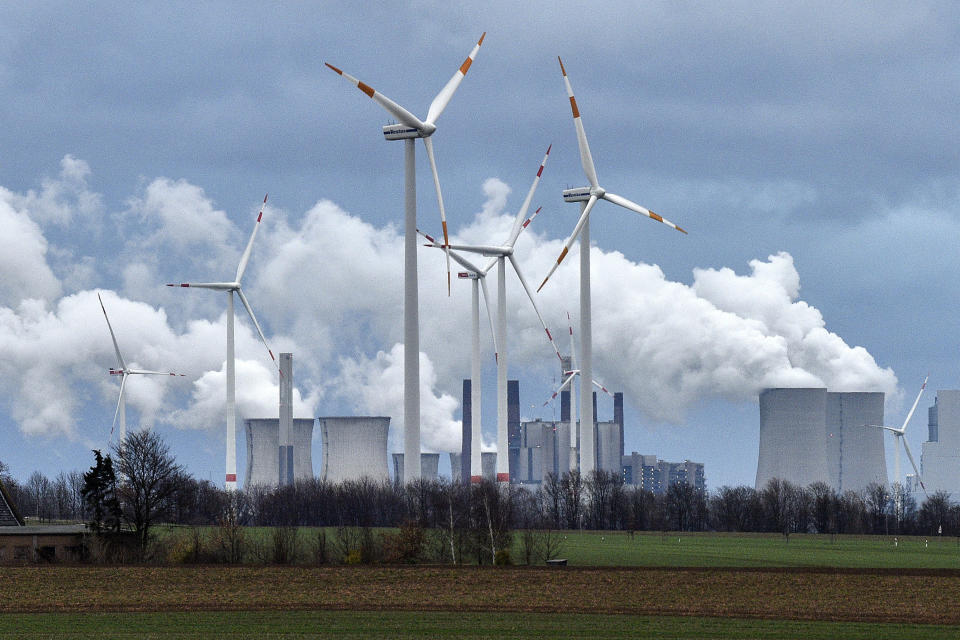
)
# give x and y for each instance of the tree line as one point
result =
(148, 487)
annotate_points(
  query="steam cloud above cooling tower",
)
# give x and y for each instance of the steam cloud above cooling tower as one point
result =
(666, 344)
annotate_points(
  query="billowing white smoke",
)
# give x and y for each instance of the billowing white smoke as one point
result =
(375, 385)
(338, 308)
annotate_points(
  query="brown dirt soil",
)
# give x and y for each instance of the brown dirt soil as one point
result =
(920, 596)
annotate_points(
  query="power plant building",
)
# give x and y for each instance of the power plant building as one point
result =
(354, 447)
(656, 476)
(940, 457)
(263, 462)
(811, 435)
(544, 446)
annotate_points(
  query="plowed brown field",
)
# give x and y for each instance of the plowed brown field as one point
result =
(920, 596)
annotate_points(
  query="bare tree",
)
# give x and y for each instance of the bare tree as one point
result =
(146, 471)
(40, 493)
(571, 485)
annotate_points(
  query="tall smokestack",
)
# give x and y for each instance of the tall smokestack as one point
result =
(286, 419)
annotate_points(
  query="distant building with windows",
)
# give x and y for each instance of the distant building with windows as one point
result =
(656, 476)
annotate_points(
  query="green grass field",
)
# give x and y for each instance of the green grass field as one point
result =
(430, 624)
(620, 549)
(756, 550)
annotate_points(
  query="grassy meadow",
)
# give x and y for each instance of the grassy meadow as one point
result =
(653, 549)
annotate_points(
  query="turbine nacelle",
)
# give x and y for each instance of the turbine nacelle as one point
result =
(402, 131)
(468, 275)
(217, 286)
(580, 194)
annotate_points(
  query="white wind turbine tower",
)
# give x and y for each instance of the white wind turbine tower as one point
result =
(899, 438)
(409, 129)
(479, 278)
(500, 255)
(587, 197)
(124, 371)
(569, 376)
(231, 288)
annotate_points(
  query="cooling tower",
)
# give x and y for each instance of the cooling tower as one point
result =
(940, 461)
(855, 456)
(456, 467)
(354, 447)
(263, 439)
(429, 466)
(488, 463)
(792, 444)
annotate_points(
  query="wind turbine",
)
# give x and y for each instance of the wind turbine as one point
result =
(569, 376)
(898, 438)
(124, 371)
(479, 278)
(588, 197)
(501, 254)
(231, 288)
(409, 129)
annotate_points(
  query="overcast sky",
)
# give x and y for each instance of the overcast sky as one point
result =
(810, 151)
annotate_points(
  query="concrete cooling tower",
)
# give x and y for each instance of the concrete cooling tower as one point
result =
(792, 444)
(855, 456)
(429, 466)
(354, 447)
(263, 463)
(812, 435)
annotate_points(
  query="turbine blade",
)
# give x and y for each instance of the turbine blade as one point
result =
(573, 237)
(518, 223)
(602, 388)
(633, 206)
(906, 448)
(527, 222)
(486, 303)
(116, 413)
(116, 347)
(526, 287)
(573, 348)
(443, 98)
(560, 389)
(145, 372)
(246, 252)
(256, 324)
(392, 107)
(915, 403)
(463, 262)
(586, 160)
(428, 143)
(429, 238)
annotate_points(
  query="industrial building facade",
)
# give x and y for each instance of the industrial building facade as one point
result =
(656, 476)
(543, 447)
(811, 435)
